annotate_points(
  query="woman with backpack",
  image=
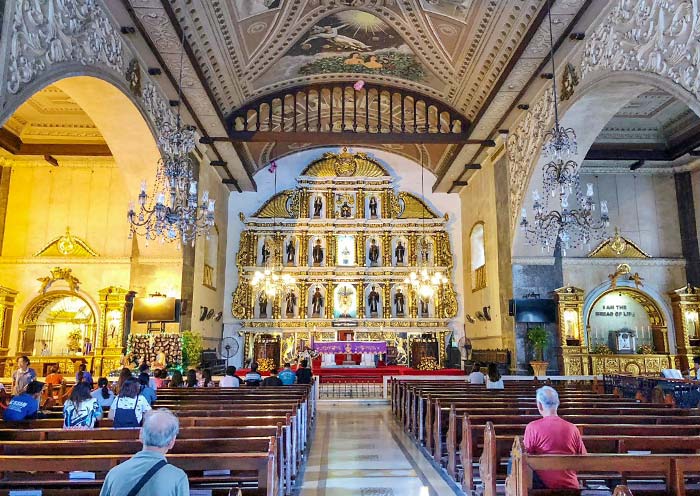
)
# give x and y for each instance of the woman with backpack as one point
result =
(128, 408)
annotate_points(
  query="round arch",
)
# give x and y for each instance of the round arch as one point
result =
(660, 315)
(596, 100)
(34, 309)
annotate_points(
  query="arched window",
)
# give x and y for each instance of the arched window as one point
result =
(478, 257)
(211, 258)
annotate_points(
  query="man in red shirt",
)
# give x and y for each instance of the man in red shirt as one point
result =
(552, 435)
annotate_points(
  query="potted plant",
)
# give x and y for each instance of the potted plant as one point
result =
(538, 340)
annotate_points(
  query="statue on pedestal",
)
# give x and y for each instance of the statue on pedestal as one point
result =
(316, 303)
(373, 207)
(400, 253)
(424, 306)
(262, 305)
(373, 302)
(291, 252)
(318, 206)
(317, 253)
(399, 302)
(291, 303)
(265, 252)
(345, 211)
(373, 252)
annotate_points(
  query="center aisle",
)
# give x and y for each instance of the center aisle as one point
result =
(359, 450)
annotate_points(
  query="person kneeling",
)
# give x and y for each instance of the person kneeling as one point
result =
(148, 472)
(552, 435)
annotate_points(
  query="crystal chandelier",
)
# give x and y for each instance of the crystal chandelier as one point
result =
(173, 210)
(426, 281)
(271, 279)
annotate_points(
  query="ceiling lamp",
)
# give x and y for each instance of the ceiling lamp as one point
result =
(173, 210)
(570, 227)
(271, 280)
(426, 281)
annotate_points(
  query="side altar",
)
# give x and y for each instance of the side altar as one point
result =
(352, 243)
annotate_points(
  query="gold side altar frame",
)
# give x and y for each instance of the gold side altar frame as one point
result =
(685, 305)
(8, 298)
(575, 358)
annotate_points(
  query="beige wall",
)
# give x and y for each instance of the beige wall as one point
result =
(480, 202)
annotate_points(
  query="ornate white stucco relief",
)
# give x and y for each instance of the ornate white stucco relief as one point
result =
(523, 147)
(659, 37)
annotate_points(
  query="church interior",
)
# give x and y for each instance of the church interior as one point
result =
(394, 194)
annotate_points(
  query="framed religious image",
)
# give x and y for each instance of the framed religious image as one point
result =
(346, 249)
(345, 205)
(625, 341)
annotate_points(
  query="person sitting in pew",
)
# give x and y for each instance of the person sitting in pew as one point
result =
(176, 381)
(86, 377)
(103, 394)
(287, 376)
(273, 380)
(552, 435)
(145, 390)
(493, 377)
(25, 406)
(148, 473)
(230, 380)
(81, 411)
(123, 376)
(206, 380)
(191, 378)
(128, 408)
(159, 378)
(55, 378)
(253, 378)
(476, 376)
(304, 374)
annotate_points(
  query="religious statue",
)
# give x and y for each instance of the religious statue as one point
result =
(291, 252)
(399, 302)
(265, 252)
(373, 252)
(345, 211)
(262, 305)
(638, 280)
(316, 303)
(291, 303)
(424, 306)
(318, 206)
(400, 253)
(373, 207)
(160, 361)
(373, 302)
(317, 253)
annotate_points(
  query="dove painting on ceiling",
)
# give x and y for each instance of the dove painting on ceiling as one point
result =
(351, 41)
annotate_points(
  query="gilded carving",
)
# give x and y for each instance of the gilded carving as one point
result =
(240, 304)
(409, 206)
(278, 207)
(450, 306)
(58, 274)
(569, 82)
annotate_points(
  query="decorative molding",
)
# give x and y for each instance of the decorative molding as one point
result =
(523, 148)
(609, 262)
(56, 31)
(532, 261)
(648, 36)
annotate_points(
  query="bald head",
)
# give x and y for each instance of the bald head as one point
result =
(160, 428)
(547, 400)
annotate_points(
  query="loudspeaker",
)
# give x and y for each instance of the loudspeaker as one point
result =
(511, 308)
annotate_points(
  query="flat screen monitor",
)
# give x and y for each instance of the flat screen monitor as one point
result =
(534, 310)
(156, 309)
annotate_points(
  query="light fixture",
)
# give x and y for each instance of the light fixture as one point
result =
(426, 281)
(173, 210)
(271, 279)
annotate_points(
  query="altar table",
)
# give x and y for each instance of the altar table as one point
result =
(366, 350)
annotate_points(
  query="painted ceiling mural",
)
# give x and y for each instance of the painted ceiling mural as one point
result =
(350, 41)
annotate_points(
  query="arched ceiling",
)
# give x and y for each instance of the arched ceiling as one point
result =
(477, 56)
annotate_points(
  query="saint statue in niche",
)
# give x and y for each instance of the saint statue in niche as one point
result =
(345, 211)
(291, 303)
(316, 303)
(373, 302)
(373, 207)
(400, 253)
(291, 252)
(399, 302)
(424, 306)
(265, 253)
(262, 305)
(373, 252)
(317, 253)
(318, 206)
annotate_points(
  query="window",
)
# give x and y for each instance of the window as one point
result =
(211, 257)
(478, 257)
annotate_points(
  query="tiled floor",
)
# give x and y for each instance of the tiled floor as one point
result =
(358, 450)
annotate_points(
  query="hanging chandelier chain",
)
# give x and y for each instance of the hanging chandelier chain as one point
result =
(554, 69)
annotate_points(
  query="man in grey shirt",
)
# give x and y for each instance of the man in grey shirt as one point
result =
(160, 428)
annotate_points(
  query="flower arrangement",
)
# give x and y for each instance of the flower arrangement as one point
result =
(601, 349)
(74, 339)
(428, 363)
(266, 364)
(646, 349)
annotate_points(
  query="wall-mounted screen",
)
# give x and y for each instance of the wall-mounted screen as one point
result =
(156, 309)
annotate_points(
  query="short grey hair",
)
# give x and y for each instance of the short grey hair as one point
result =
(548, 397)
(160, 428)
